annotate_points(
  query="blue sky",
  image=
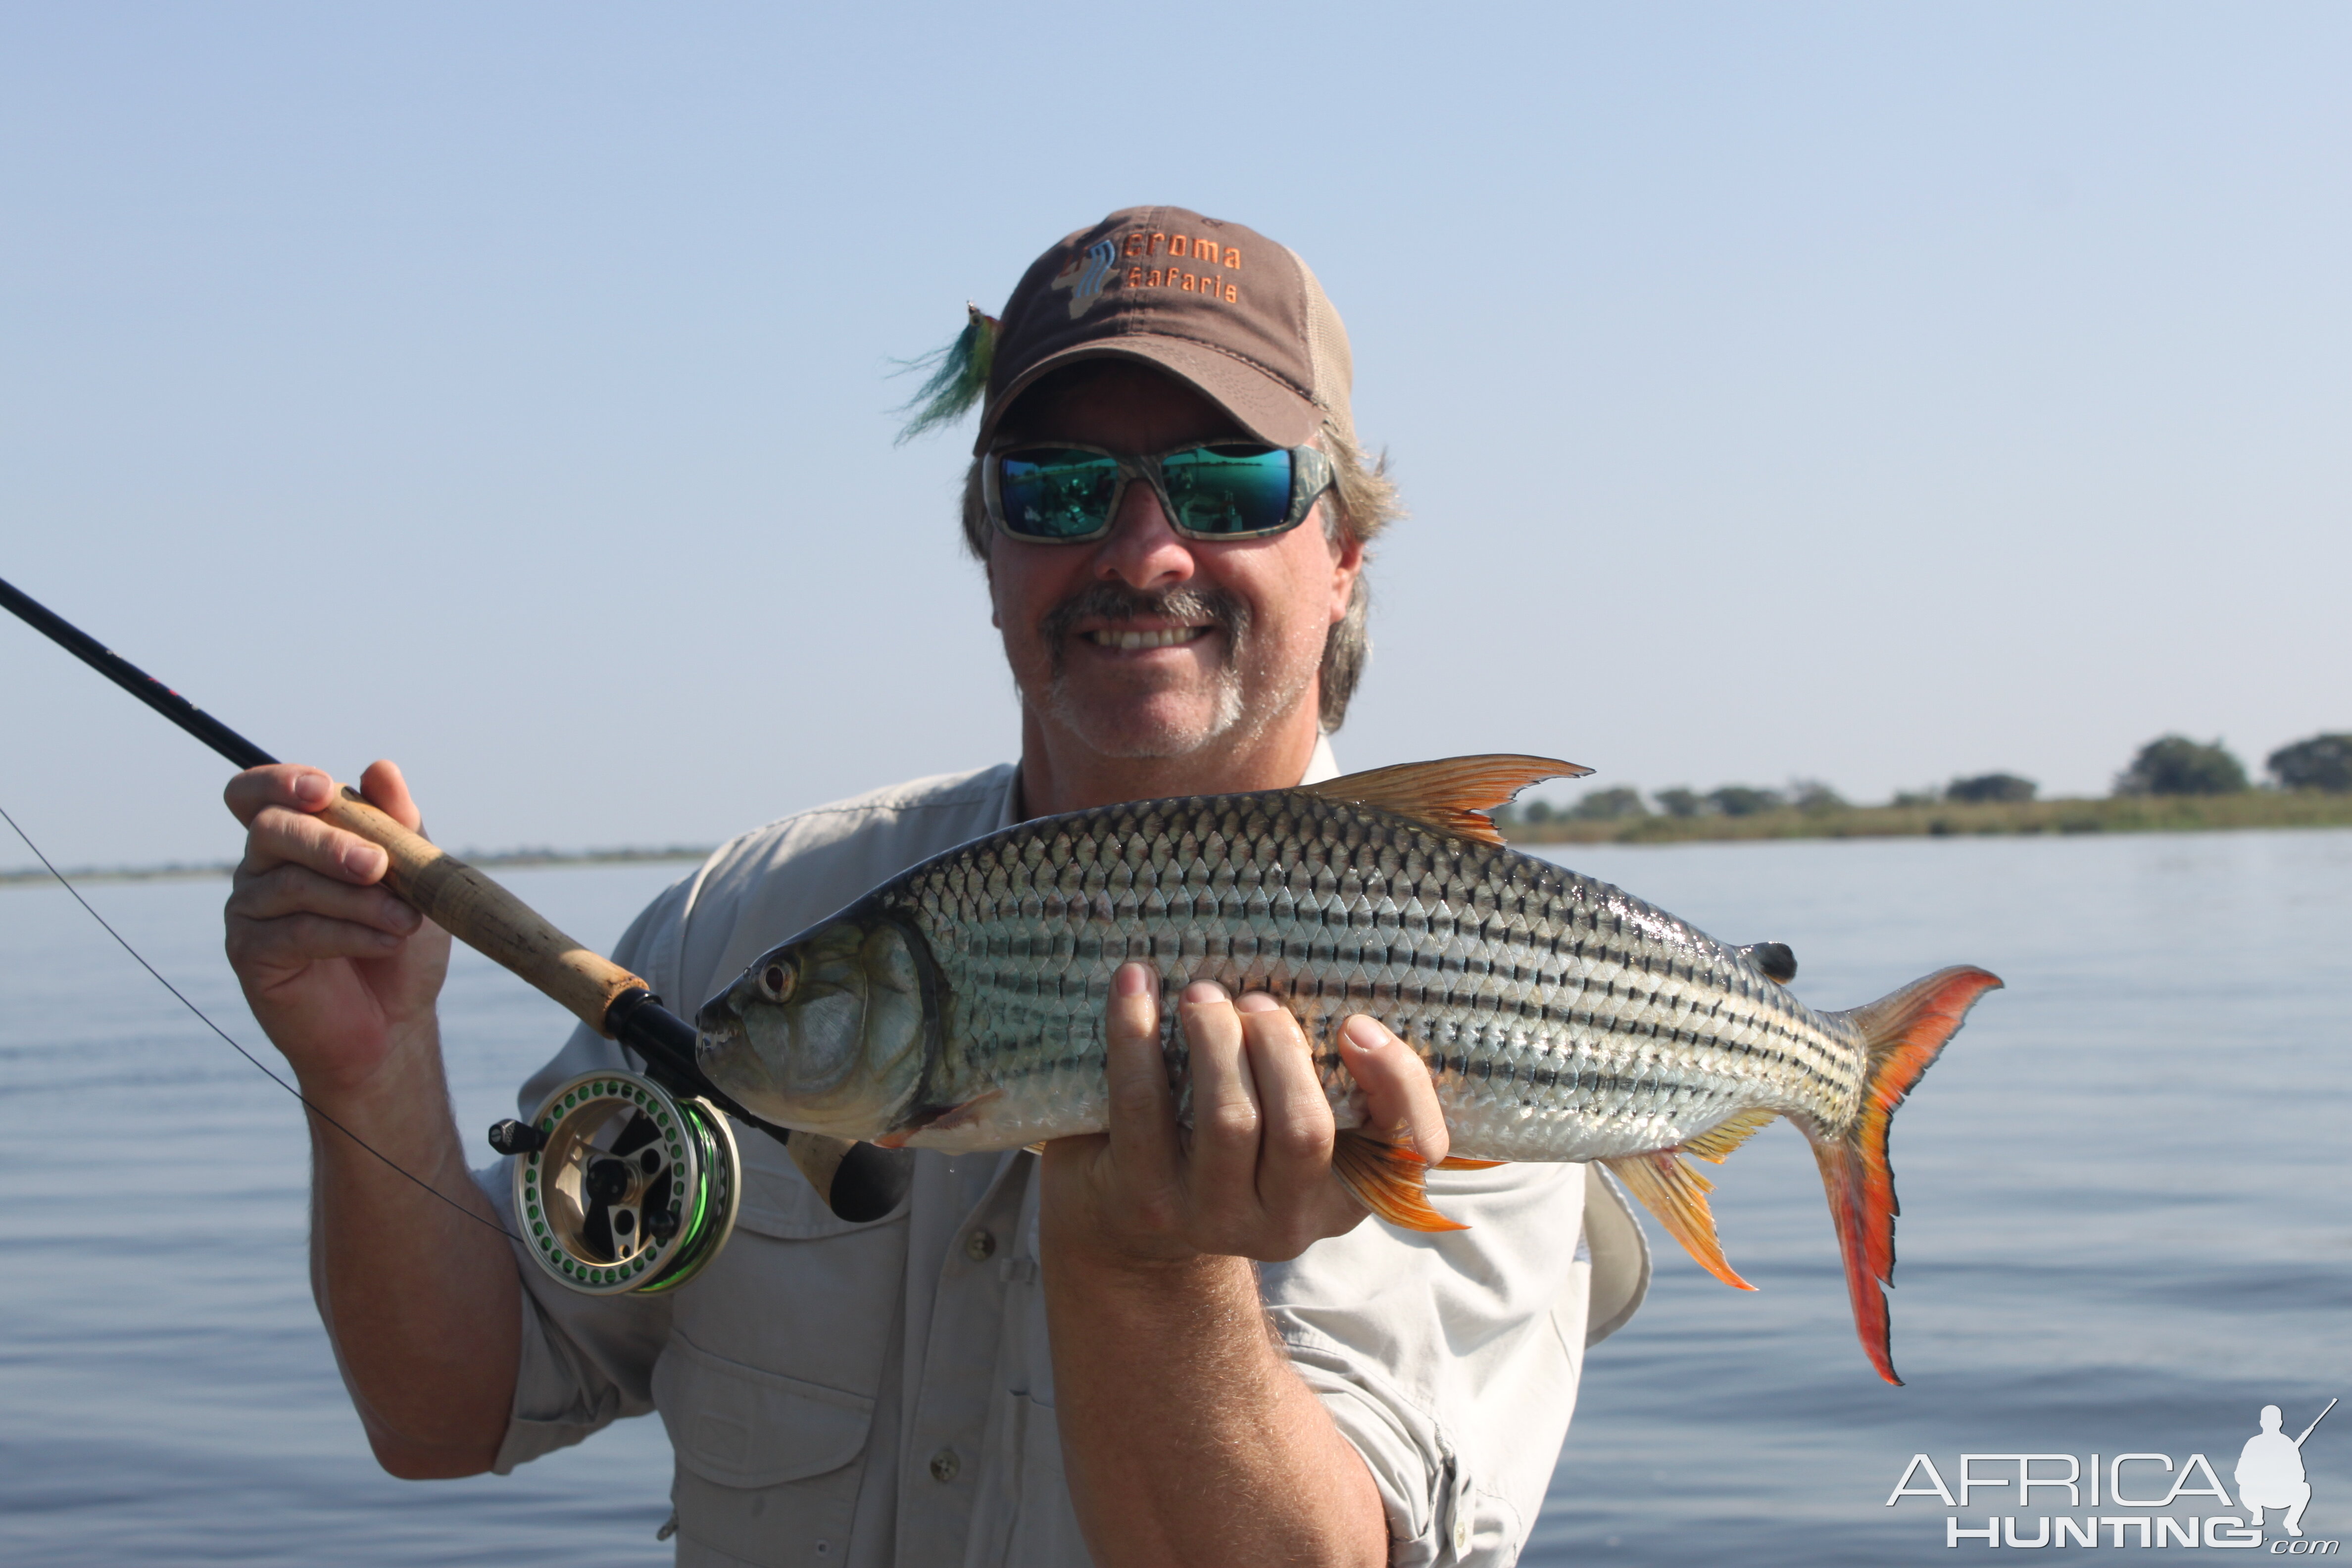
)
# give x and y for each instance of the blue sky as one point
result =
(1867, 393)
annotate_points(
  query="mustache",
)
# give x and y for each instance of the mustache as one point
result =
(1116, 601)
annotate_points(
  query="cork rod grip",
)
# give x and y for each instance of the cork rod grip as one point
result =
(485, 916)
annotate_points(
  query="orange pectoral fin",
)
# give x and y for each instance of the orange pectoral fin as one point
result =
(1457, 1163)
(946, 1121)
(1676, 1194)
(1387, 1177)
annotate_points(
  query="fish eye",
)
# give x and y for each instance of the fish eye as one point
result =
(776, 982)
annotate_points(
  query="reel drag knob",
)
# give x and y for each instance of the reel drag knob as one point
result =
(621, 1185)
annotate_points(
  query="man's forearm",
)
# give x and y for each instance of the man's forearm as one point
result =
(1187, 1437)
(420, 1299)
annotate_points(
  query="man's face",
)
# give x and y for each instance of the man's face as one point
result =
(1144, 643)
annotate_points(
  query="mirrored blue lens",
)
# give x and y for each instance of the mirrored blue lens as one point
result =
(1047, 493)
(1228, 490)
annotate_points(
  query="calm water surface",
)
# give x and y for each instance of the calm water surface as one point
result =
(2126, 1226)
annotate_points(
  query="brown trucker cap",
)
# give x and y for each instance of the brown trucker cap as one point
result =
(1220, 306)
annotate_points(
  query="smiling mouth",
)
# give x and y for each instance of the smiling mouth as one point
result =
(1125, 638)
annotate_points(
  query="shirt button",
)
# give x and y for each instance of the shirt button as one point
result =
(944, 1465)
(1461, 1531)
(979, 1246)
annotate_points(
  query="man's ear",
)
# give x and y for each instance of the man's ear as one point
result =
(1347, 565)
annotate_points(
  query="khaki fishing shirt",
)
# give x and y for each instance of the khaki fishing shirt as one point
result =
(851, 1395)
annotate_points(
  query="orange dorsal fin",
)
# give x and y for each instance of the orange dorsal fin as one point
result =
(1452, 794)
(1389, 1178)
(1677, 1195)
(1717, 1142)
(1901, 1036)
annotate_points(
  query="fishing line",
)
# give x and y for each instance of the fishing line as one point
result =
(258, 1064)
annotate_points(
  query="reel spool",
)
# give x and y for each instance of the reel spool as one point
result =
(633, 1189)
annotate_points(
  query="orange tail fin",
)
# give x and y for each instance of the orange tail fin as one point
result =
(1903, 1033)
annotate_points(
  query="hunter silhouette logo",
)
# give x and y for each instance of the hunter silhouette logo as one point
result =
(2270, 1471)
(2269, 1475)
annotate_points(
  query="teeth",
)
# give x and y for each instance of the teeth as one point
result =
(1171, 637)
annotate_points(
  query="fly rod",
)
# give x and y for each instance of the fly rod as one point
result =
(859, 1182)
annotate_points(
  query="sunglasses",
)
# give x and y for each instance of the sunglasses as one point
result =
(1066, 494)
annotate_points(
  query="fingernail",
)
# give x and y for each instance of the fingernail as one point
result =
(1365, 1034)
(386, 940)
(405, 917)
(1258, 1002)
(362, 859)
(1133, 980)
(1201, 991)
(311, 789)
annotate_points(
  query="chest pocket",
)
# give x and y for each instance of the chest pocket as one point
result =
(768, 1384)
(739, 1426)
(798, 1293)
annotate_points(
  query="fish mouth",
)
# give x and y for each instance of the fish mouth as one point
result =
(719, 1038)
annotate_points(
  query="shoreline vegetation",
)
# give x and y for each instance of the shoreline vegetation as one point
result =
(2174, 784)
(2116, 814)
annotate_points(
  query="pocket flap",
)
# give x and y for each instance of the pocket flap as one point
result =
(779, 1202)
(740, 1427)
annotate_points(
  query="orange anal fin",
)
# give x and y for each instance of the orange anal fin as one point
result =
(1676, 1194)
(1902, 1035)
(1387, 1177)
(1457, 1163)
(1716, 1142)
(1450, 796)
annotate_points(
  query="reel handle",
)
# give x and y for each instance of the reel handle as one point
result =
(470, 907)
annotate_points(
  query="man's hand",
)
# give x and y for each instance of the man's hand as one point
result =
(422, 1302)
(1256, 1179)
(1169, 1388)
(334, 966)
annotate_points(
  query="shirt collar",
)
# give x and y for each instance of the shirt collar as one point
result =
(1320, 766)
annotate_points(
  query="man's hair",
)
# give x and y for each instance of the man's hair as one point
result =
(1361, 504)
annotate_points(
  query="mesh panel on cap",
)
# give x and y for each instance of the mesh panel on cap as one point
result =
(1328, 359)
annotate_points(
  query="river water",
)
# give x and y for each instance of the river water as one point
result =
(2126, 1229)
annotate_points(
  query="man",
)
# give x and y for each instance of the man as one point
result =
(1036, 1360)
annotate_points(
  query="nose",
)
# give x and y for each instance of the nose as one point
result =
(1141, 550)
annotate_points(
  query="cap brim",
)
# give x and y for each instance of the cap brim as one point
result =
(1275, 413)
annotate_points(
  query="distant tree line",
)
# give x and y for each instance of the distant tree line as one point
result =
(2174, 764)
(2170, 764)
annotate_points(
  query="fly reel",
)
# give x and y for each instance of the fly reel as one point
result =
(629, 1188)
